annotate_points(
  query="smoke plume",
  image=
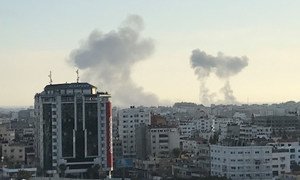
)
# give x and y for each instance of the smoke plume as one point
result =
(228, 93)
(205, 96)
(222, 66)
(107, 59)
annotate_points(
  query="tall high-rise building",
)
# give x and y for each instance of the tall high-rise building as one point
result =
(73, 128)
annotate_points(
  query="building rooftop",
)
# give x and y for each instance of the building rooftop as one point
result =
(83, 85)
(155, 126)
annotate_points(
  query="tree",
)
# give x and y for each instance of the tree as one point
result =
(23, 174)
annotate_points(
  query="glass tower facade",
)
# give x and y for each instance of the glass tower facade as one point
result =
(73, 128)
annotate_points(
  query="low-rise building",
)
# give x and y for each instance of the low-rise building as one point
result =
(161, 140)
(293, 148)
(279, 123)
(14, 153)
(249, 132)
(241, 162)
(280, 162)
(200, 153)
(6, 134)
(129, 119)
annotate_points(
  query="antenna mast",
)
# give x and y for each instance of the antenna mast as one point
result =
(77, 72)
(50, 77)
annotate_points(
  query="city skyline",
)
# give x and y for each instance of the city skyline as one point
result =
(39, 37)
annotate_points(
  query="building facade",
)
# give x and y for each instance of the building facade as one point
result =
(161, 140)
(241, 162)
(129, 119)
(73, 128)
(15, 153)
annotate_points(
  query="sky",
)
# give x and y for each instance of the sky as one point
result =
(37, 36)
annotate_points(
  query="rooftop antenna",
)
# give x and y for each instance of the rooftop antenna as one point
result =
(77, 72)
(50, 77)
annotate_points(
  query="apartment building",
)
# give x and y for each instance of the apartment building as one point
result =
(129, 119)
(161, 140)
(241, 162)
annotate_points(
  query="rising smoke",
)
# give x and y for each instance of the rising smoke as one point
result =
(222, 66)
(107, 60)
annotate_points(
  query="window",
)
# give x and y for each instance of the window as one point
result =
(292, 150)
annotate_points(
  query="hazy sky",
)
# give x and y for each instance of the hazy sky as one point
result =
(38, 36)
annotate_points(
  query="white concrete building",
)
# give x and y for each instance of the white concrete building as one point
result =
(128, 120)
(280, 162)
(249, 132)
(293, 147)
(204, 124)
(192, 145)
(6, 134)
(186, 128)
(15, 153)
(241, 116)
(219, 122)
(161, 140)
(201, 125)
(241, 162)
(200, 153)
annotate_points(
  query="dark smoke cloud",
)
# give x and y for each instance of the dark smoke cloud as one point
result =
(107, 59)
(222, 66)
